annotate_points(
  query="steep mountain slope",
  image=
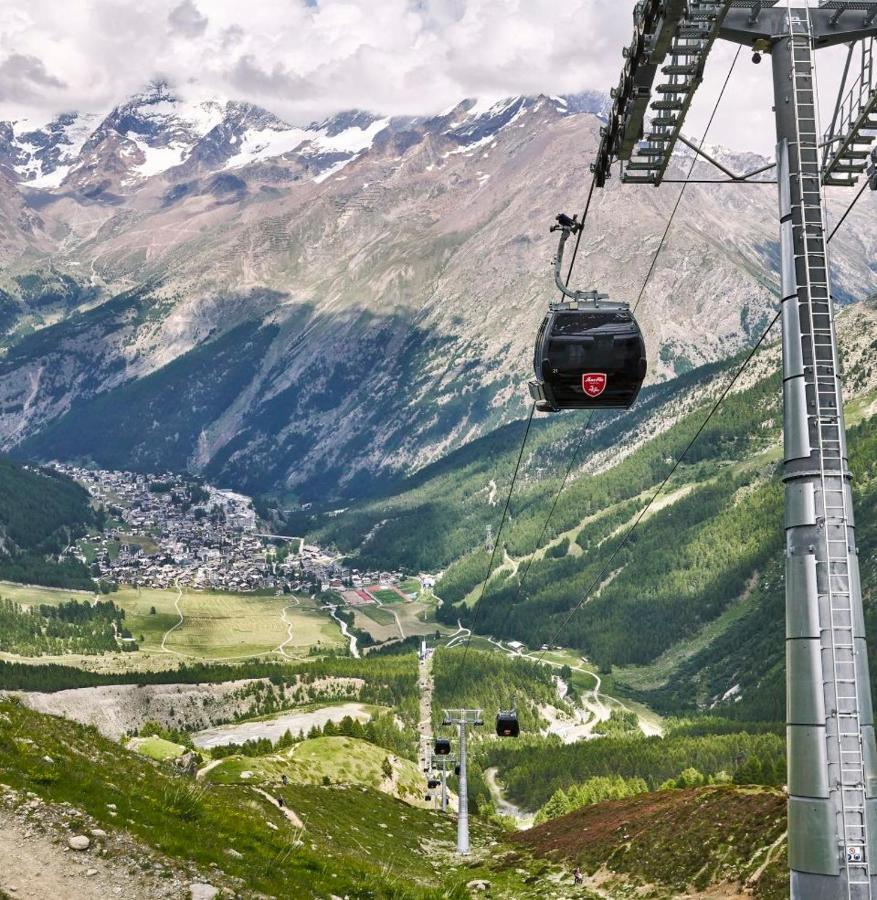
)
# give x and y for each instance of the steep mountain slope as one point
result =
(725, 842)
(41, 513)
(396, 270)
(231, 837)
(690, 613)
(354, 842)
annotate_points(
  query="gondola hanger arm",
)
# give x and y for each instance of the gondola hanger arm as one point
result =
(567, 226)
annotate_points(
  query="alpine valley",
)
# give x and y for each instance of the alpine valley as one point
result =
(319, 310)
(271, 504)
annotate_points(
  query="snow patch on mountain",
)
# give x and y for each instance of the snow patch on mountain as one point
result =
(268, 143)
(352, 140)
(50, 180)
(199, 117)
(42, 153)
(158, 159)
(164, 127)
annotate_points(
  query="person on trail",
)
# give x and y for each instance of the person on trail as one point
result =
(285, 779)
(577, 877)
(280, 801)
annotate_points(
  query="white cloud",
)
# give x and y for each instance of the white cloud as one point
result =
(305, 59)
(187, 20)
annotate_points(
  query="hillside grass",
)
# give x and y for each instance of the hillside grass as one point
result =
(379, 615)
(361, 843)
(341, 760)
(157, 748)
(196, 824)
(668, 843)
(34, 595)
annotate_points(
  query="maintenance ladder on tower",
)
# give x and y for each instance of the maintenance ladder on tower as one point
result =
(846, 756)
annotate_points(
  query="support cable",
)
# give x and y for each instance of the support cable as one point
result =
(622, 543)
(685, 184)
(638, 299)
(849, 209)
(532, 408)
(520, 456)
(573, 459)
(636, 304)
(496, 542)
(575, 250)
(569, 468)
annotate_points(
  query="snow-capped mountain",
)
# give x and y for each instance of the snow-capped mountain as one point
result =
(157, 132)
(196, 283)
(42, 155)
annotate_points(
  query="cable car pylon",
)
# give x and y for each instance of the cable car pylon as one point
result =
(463, 719)
(832, 755)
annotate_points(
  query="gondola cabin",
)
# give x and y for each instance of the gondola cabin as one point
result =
(588, 356)
(433, 783)
(507, 724)
(442, 747)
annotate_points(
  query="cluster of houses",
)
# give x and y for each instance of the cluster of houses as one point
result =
(168, 530)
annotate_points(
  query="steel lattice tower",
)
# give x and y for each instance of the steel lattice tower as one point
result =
(832, 757)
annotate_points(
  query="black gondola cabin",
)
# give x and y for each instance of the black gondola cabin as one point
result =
(442, 747)
(507, 724)
(588, 356)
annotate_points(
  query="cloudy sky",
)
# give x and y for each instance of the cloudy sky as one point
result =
(305, 59)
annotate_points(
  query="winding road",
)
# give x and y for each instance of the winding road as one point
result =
(600, 710)
(460, 635)
(173, 628)
(504, 807)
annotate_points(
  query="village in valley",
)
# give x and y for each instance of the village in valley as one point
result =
(169, 530)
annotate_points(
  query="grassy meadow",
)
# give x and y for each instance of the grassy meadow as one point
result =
(215, 625)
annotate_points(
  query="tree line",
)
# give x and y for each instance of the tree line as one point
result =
(535, 768)
(71, 627)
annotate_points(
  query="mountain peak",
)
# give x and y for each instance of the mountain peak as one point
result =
(164, 127)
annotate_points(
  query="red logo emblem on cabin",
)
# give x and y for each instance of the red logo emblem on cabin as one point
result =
(594, 383)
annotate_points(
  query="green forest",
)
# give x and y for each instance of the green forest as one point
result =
(41, 513)
(534, 769)
(70, 627)
(390, 680)
(491, 682)
(382, 731)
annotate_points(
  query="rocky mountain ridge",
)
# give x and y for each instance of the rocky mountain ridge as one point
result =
(316, 309)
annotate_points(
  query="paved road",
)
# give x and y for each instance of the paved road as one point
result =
(503, 806)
